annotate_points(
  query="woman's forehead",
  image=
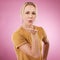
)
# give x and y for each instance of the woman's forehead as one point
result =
(29, 8)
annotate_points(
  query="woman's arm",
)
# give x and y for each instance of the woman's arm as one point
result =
(32, 50)
(45, 48)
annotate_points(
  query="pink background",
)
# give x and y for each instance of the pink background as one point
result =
(48, 17)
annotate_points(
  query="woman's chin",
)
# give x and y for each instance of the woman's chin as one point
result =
(30, 24)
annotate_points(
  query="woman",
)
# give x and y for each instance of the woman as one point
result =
(28, 38)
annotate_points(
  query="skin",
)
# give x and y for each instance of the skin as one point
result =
(28, 16)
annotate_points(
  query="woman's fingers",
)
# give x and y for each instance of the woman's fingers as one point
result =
(33, 31)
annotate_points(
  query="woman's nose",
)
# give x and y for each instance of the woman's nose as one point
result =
(30, 15)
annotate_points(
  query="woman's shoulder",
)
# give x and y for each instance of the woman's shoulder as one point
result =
(39, 27)
(18, 31)
(41, 30)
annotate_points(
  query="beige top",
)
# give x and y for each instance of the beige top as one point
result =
(21, 36)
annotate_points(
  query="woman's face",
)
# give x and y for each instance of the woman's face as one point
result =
(29, 15)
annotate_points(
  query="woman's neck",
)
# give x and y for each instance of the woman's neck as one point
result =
(27, 26)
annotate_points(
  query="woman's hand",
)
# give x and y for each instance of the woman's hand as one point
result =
(35, 42)
(33, 49)
(32, 31)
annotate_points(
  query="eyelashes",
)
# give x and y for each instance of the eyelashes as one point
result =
(27, 13)
(33, 13)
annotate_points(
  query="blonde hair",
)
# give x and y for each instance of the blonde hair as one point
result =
(26, 4)
(29, 3)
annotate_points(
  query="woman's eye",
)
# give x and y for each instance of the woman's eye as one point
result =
(34, 13)
(27, 13)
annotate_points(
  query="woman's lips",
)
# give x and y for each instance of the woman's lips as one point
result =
(30, 21)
